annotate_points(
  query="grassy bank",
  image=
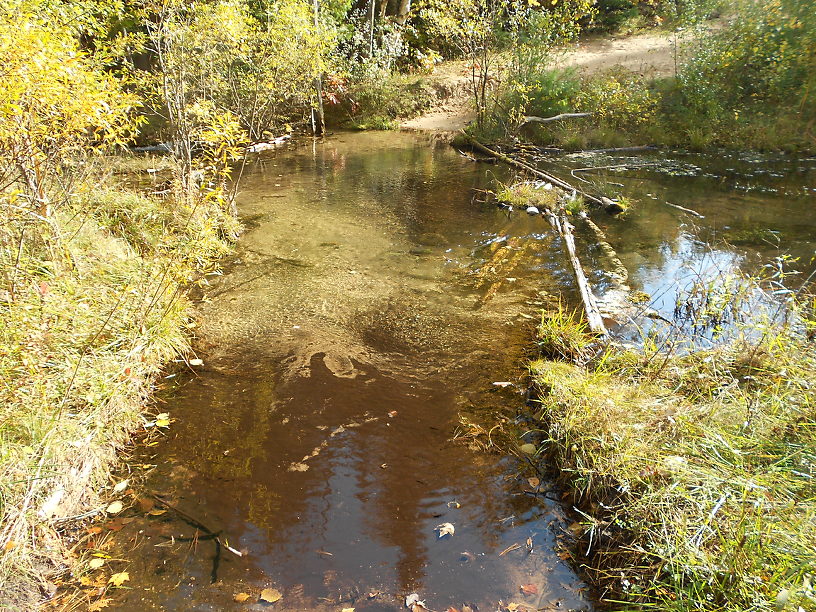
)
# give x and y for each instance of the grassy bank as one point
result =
(92, 306)
(628, 109)
(692, 474)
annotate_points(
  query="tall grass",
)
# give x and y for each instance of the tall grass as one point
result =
(695, 474)
(91, 308)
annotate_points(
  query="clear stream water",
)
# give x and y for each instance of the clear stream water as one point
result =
(371, 305)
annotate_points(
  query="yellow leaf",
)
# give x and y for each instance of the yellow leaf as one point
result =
(121, 486)
(163, 419)
(270, 595)
(99, 604)
(347, 610)
(114, 508)
(119, 579)
(96, 563)
(241, 597)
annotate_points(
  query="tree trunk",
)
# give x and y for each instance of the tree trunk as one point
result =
(320, 124)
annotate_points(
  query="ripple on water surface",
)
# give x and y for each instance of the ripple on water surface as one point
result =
(369, 303)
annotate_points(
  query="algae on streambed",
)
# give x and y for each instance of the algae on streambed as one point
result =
(364, 311)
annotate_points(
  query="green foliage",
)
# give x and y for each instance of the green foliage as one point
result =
(56, 104)
(542, 92)
(617, 15)
(620, 99)
(259, 66)
(378, 104)
(766, 56)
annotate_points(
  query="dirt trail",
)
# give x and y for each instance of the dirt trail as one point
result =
(651, 55)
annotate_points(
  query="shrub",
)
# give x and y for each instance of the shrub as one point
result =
(619, 98)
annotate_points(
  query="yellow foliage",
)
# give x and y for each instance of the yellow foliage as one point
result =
(55, 104)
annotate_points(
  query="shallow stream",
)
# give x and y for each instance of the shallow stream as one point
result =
(370, 308)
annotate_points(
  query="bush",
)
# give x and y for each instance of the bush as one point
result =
(765, 57)
(620, 99)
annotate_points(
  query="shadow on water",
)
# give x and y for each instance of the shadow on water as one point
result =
(370, 303)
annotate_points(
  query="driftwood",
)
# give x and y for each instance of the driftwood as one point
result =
(534, 171)
(564, 229)
(260, 147)
(685, 210)
(615, 150)
(531, 119)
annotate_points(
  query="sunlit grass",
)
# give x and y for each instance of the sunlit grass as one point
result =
(696, 474)
(90, 311)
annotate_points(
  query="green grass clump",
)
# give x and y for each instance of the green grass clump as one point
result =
(522, 195)
(696, 473)
(564, 335)
(91, 308)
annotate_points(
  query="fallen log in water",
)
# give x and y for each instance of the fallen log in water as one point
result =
(564, 229)
(534, 171)
(607, 204)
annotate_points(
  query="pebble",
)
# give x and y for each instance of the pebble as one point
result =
(532, 210)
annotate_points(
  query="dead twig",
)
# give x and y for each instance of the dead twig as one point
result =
(558, 117)
(196, 523)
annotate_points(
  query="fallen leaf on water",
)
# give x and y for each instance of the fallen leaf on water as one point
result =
(114, 508)
(99, 604)
(145, 504)
(503, 384)
(347, 610)
(163, 419)
(241, 597)
(529, 589)
(96, 563)
(119, 579)
(157, 512)
(445, 529)
(512, 607)
(534, 482)
(271, 595)
(510, 548)
(413, 600)
(196, 362)
(121, 486)
(454, 504)
(115, 524)
(392, 414)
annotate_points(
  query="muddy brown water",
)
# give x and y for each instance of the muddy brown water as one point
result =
(370, 307)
